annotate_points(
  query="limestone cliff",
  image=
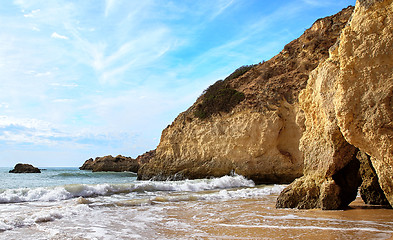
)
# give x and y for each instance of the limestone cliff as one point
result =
(348, 106)
(364, 96)
(258, 137)
(325, 150)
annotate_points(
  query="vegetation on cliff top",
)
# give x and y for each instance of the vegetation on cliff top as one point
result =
(239, 72)
(220, 97)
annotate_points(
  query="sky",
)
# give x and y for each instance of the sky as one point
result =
(88, 78)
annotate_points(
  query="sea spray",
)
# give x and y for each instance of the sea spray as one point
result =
(48, 194)
(116, 206)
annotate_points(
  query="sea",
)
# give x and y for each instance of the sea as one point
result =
(68, 203)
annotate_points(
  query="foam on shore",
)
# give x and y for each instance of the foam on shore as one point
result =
(49, 194)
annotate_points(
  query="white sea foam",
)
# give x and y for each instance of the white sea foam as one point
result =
(226, 194)
(48, 194)
(29, 215)
(48, 217)
(352, 229)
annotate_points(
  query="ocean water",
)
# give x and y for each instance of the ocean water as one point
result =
(66, 203)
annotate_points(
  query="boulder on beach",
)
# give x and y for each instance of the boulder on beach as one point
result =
(24, 168)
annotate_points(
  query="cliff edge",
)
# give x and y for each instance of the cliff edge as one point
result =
(251, 122)
(348, 107)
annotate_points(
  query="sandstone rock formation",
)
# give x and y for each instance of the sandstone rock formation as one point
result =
(370, 191)
(259, 137)
(363, 100)
(111, 164)
(24, 168)
(87, 165)
(325, 150)
(146, 157)
(347, 106)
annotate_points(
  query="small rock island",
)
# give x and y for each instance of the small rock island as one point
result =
(111, 164)
(24, 168)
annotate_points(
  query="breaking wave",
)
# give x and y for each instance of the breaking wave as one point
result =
(49, 194)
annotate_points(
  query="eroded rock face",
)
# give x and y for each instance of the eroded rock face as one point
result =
(111, 164)
(326, 153)
(259, 137)
(364, 96)
(25, 168)
(87, 165)
(347, 106)
(146, 157)
(245, 142)
(370, 191)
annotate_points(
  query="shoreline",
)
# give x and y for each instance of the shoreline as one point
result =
(194, 209)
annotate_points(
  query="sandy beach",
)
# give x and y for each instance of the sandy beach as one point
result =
(224, 208)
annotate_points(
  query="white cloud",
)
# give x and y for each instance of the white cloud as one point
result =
(56, 35)
(32, 13)
(66, 100)
(25, 130)
(38, 132)
(68, 85)
(4, 105)
(109, 5)
(134, 69)
(43, 74)
(221, 7)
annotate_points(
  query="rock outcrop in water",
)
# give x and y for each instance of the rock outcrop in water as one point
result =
(25, 168)
(111, 164)
(87, 165)
(348, 106)
(251, 122)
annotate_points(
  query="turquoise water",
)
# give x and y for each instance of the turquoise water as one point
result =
(61, 176)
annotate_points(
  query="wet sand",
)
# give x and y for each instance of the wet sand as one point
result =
(255, 219)
(184, 215)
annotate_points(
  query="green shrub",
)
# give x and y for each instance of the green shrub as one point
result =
(239, 72)
(218, 98)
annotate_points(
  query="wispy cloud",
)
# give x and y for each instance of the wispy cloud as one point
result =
(38, 132)
(68, 85)
(56, 35)
(32, 13)
(4, 105)
(221, 7)
(109, 4)
(103, 74)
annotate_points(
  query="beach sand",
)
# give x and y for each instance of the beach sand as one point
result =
(185, 215)
(258, 219)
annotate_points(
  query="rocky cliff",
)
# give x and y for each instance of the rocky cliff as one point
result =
(251, 122)
(348, 107)
(111, 164)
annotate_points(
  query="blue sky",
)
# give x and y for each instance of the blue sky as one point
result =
(81, 79)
